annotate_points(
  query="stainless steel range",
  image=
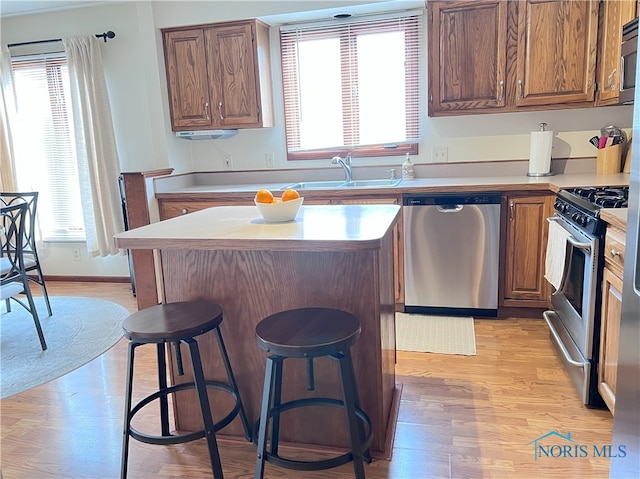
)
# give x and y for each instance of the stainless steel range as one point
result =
(574, 322)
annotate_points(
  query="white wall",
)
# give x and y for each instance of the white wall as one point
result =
(134, 64)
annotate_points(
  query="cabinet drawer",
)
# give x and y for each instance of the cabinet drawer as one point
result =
(614, 243)
(169, 209)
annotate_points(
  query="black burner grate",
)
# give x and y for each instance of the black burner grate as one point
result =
(604, 197)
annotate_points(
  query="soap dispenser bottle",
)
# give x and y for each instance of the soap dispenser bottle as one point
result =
(407, 169)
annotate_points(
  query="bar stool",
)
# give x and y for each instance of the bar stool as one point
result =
(178, 323)
(309, 333)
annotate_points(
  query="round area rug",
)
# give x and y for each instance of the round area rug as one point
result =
(80, 330)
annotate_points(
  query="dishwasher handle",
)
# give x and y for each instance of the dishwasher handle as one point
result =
(449, 208)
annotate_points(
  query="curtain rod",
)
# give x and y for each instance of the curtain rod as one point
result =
(104, 36)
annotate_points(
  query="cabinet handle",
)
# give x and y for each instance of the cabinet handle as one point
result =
(520, 90)
(206, 111)
(184, 211)
(615, 253)
(501, 97)
(220, 111)
(511, 208)
(612, 86)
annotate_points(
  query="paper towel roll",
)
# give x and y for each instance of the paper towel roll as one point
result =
(540, 155)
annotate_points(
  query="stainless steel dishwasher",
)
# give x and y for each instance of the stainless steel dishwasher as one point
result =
(451, 244)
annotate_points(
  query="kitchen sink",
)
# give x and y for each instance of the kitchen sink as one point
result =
(316, 185)
(327, 185)
(371, 183)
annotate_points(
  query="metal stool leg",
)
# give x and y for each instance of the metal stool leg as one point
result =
(234, 384)
(201, 386)
(127, 410)
(269, 375)
(367, 453)
(355, 433)
(162, 384)
(276, 391)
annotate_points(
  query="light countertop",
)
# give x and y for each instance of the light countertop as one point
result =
(615, 216)
(316, 228)
(194, 186)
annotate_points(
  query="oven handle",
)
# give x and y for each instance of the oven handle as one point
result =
(556, 336)
(574, 242)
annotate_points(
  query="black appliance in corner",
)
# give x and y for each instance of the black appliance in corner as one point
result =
(628, 60)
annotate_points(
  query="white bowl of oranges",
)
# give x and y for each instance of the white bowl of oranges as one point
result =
(278, 210)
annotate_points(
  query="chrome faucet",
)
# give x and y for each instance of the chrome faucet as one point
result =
(346, 165)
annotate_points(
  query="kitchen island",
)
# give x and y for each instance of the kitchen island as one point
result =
(337, 256)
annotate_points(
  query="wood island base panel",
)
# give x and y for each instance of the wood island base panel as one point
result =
(330, 256)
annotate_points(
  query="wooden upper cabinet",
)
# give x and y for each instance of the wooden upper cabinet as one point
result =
(185, 60)
(556, 59)
(502, 56)
(219, 76)
(467, 55)
(614, 14)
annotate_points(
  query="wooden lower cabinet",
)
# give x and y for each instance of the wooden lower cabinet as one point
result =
(398, 241)
(611, 314)
(524, 236)
(170, 208)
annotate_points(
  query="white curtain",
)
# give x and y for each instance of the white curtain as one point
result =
(7, 109)
(97, 156)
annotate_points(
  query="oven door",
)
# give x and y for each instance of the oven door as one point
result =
(571, 322)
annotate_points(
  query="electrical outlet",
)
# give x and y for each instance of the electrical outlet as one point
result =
(76, 254)
(268, 157)
(440, 154)
(227, 162)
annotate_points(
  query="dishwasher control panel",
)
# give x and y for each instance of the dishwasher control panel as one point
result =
(410, 199)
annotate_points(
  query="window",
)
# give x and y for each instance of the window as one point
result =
(44, 145)
(352, 87)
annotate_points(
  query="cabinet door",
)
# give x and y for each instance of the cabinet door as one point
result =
(233, 72)
(187, 82)
(526, 242)
(609, 337)
(613, 15)
(556, 57)
(467, 55)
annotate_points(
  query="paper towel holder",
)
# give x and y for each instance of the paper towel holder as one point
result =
(543, 127)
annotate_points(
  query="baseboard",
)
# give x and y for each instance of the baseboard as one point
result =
(89, 279)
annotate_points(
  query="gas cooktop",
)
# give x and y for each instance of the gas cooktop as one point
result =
(604, 196)
(581, 206)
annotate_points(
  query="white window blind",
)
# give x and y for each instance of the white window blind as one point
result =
(352, 86)
(44, 145)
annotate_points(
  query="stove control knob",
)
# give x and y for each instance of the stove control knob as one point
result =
(561, 207)
(579, 219)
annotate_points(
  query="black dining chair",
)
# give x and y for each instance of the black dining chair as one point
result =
(30, 251)
(14, 280)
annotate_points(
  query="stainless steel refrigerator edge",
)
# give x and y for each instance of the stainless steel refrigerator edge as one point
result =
(626, 424)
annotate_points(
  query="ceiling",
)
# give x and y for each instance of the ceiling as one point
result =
(25, 7)
(22, 7)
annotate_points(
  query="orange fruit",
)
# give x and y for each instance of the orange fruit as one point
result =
(264, 196)
(290, 194)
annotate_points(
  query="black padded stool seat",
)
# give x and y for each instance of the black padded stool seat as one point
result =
(310, 333)
(178, 323)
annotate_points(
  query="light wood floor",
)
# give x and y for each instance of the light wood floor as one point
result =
(460, 416)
